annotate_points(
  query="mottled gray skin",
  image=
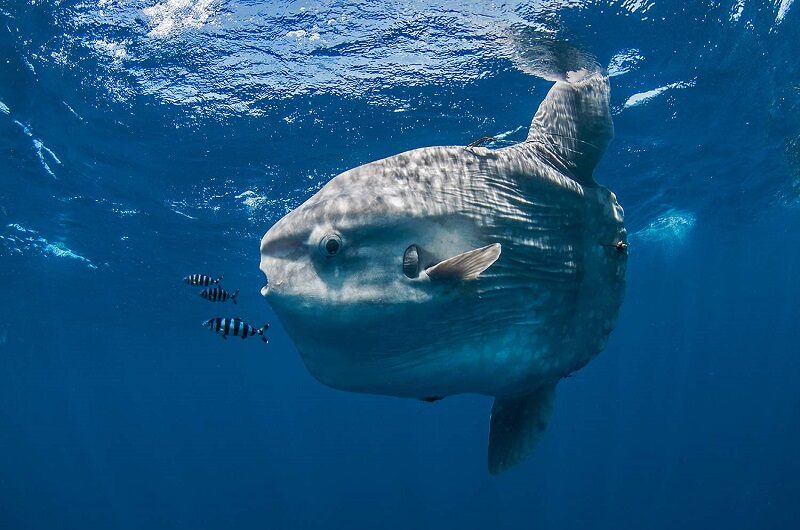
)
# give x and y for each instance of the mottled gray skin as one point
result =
(540, 312)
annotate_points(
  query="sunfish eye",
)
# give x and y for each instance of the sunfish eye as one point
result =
(330, 245)
(411, 262)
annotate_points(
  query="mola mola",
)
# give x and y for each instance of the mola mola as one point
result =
(449, 270)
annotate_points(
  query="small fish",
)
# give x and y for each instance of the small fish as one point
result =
(236, 327)
(201, 280)
(218, 294)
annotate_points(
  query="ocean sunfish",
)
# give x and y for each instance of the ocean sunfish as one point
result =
(450, 270)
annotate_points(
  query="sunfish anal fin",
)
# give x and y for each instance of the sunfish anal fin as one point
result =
(466, 266)
(516, 426)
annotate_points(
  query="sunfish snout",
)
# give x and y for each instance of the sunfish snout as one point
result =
(266, 262)
(272, 276)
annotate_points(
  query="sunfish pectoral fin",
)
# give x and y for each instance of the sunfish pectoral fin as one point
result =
(517, 424)
(466, 266)
(573, 126)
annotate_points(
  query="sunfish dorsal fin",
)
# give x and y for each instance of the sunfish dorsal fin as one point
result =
(573, 125)
(466, 266)
(516, 426)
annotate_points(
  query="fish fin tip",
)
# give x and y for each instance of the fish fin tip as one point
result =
(574, 123)
(466, 266)
(516, 426)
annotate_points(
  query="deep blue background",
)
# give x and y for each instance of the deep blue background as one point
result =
(117, 410)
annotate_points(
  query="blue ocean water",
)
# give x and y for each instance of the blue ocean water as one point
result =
(144, 140)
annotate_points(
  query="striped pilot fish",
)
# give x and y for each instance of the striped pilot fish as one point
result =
(201, 280)
(236, 327)
(218, 294)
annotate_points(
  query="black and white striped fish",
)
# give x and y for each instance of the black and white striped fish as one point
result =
(201, 280)
(236, 327)
(218, 294)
